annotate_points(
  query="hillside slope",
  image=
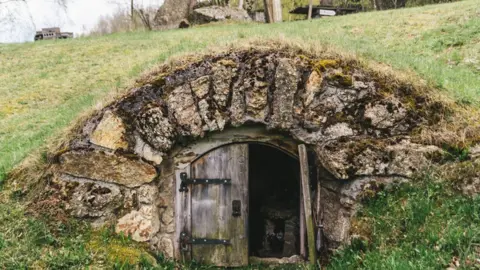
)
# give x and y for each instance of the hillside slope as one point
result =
(46, 85)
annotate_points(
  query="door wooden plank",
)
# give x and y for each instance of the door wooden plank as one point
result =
(303, 242)
(307, 203)
(318, 219)
(212, 206)
(182, 215)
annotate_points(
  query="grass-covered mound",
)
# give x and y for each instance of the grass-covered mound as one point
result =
(46, 85)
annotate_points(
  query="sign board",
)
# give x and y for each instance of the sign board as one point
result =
(326, 12)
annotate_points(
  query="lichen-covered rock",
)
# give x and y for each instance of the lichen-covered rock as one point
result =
(383, 157)
(140, 224)
(286, 81)
(222, 78)
(336, 218)
(108, 168)
(338, 130)
(156, 128)
(110, 132)
(238, 104)
(201, 86)
(183, 108)
(147, 194)
(464, 176)
(93, 199)
(312, 88)
(145, 151)
(165, 245)
(167, 216)
(475, 151)
(256, 101)
(218, 13)
(385, 115)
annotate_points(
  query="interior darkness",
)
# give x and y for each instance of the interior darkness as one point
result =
(274, 202)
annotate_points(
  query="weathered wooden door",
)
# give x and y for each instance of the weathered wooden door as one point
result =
(219, 207)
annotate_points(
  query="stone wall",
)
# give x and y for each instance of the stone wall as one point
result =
(120, 166)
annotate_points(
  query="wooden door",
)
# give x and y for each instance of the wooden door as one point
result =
(213, 217)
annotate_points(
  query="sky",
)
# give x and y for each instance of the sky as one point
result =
(79, 17)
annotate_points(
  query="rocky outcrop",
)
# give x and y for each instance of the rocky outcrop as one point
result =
(218, 13)
(99, 166)
(120, 167)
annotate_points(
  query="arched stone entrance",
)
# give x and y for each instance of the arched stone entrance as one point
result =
(122, 164)
(266, 212)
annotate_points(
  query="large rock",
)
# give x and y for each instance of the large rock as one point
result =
(218, 13)
(108, 168)
(110, 132)
(183, 107)
(222, 78)
(147, 152)
(156, 128)
(141, 225)
(93, 200)
(375, 157)
(286, 81)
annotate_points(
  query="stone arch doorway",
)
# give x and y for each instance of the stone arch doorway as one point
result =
(262, 168)
(120, 166)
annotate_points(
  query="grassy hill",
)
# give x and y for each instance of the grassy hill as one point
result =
(46, 85)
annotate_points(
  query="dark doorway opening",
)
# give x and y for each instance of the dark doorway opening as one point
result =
(274, 203)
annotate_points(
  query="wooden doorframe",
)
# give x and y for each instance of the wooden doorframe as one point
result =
(183, 155)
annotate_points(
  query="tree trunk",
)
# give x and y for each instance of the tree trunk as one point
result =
(131, 10)
(172, 12)
(240, 4)
(273, 10)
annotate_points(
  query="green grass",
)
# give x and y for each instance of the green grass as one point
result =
(46, 85)
(422, 225)
(425, 225)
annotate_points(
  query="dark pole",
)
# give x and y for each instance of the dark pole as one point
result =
(131, 10)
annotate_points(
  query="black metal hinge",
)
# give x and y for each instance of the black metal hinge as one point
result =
(198, 181)
(186, 240)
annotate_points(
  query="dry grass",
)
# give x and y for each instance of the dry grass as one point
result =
(47, 85)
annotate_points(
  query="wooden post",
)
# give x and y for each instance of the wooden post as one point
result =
(273, 10)
(277, 11)
(307, 204)
(318, 208)
(310, 7)
(303, 244)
